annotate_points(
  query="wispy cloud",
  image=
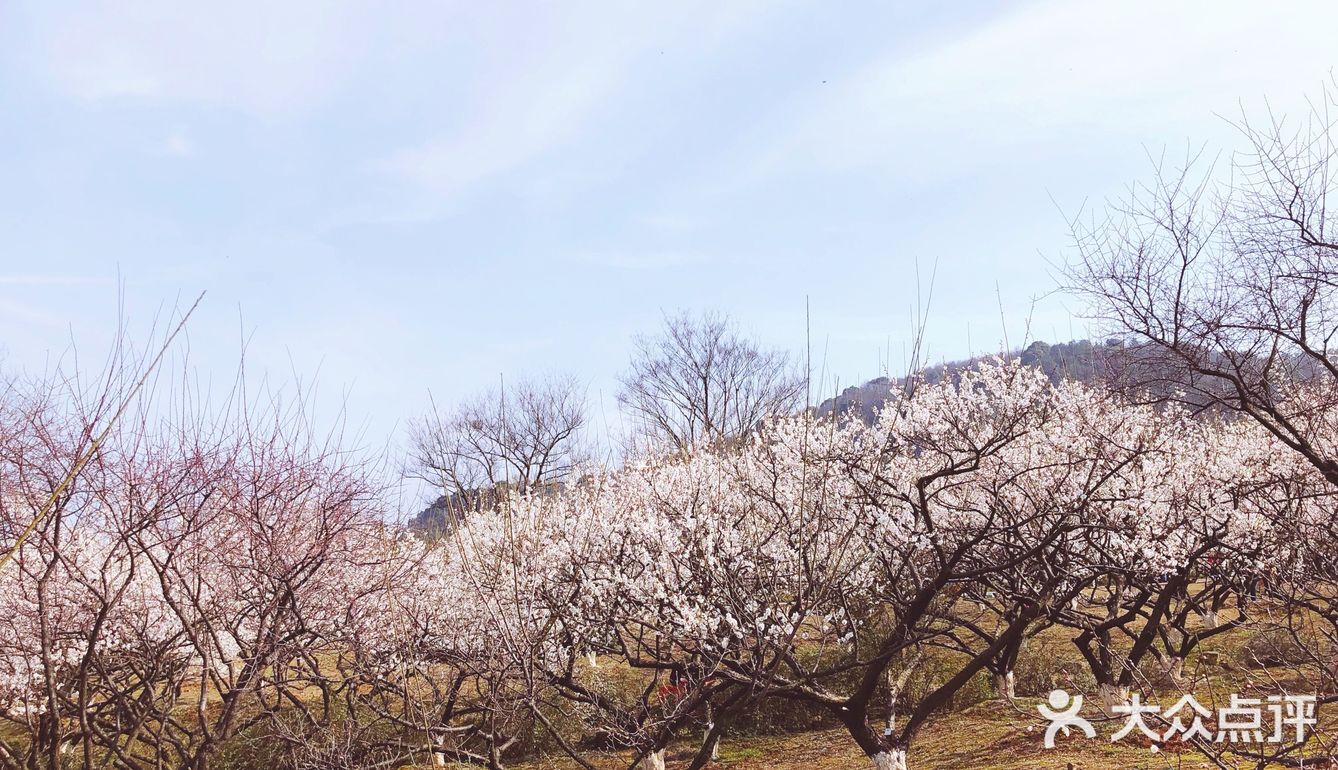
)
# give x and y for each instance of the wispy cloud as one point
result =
(552, 90)
(256, 57)
(511, 126)
(1046, 75)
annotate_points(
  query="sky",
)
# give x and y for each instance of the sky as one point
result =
(414, 200)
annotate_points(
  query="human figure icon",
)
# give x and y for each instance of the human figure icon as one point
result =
(1063, 715)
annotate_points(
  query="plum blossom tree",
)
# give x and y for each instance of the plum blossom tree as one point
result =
(178, 590)
(802, 563)
(1228, 283)
(1226, 286)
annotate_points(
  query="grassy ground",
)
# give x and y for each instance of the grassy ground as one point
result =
(977, 732)
(987, 736)
(990, 734)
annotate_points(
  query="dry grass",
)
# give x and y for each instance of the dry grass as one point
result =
(988, 736)
(994, 735)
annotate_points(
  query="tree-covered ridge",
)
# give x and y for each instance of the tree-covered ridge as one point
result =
(1079, 360)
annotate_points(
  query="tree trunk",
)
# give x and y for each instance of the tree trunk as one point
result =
(1113, 695)
(436, 749)
(892, 759)
(1175, 667)
(1005, 685)
(653, 761)
(592, 659)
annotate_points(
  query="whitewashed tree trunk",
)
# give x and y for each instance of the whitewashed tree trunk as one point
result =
(898, 683)
(592, 659)
(653, 760)
(438, 757)
(1175, 667)
(715, 743)
(1005, 685)
(1113, 695)
(1209, 619)
(894, 759)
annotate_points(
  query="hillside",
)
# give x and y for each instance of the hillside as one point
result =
(1078, 360)
(1081, 360)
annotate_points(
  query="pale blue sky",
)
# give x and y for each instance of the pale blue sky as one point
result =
(412, 196)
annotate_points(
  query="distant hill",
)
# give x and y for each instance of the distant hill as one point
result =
(1081, 360)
